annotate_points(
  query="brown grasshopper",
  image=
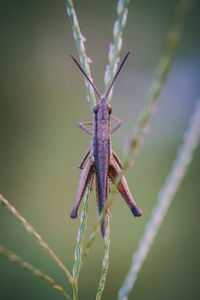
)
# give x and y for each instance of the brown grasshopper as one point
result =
(103, 161)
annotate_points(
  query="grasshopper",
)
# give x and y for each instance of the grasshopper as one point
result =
(103, 162)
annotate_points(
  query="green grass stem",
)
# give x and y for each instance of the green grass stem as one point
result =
(116, 46)
(36, 235)
(114, 51)
(81, 235)
(162, 71)
(105, 262)
(80, 241)
(28, 267)
(80, 40)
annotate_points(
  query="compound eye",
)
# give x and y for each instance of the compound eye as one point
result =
(95, 109)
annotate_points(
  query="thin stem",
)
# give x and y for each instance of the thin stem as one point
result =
(105, 263)
(92, 236)
(81, 235)
(36, 235)
(115, 48)
(165, 197)
(75, 291)
(161, 74)
(118, 30)
(162, 71)
(80, 240)
(80, 40)
(28, 267)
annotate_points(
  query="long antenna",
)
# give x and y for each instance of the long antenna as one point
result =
(119, 69)
(92, 84)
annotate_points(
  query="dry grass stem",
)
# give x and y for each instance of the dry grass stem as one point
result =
(161, 74)
(165, 197)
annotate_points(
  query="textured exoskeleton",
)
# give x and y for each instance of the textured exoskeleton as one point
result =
(103, 162)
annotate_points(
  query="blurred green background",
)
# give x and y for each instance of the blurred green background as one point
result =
(43, 97)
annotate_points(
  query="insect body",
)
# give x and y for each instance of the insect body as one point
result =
(103, 162)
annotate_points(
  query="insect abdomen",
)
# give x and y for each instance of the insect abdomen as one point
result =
(102, 160)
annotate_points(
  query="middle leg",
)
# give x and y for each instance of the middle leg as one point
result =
(84, 159)
(84, 128)
(119, 123)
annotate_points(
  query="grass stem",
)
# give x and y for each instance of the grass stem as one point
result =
(80, 40)
(28, 267)
(135, 139)
(36, 235)
(105, 262)
(165, 197)
(116, 46)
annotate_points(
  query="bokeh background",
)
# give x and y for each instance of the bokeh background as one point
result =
(43, 97)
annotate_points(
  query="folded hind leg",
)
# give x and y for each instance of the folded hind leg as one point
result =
(118, 161)
(123, 188)
(85, 177)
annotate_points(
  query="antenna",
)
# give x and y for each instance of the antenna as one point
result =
(92, 84)
(119, 69)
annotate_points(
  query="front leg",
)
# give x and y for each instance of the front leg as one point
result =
(84, 128)
(119, 123)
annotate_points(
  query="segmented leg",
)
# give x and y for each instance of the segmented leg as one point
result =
(84, 128)
(122, 187)
(118, 161)
(86, 174)
(84, 159)
(119, 123)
